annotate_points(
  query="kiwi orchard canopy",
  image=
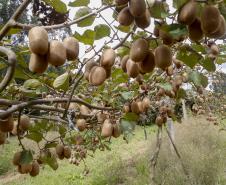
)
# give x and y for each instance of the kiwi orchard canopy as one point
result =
(111, 71)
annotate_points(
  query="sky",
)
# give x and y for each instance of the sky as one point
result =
(108, 16)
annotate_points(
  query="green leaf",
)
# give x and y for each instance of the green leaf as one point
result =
(107, 2)
(35, 136)
(26, 157)
(51, 161)
(127, 95)
(19, 74)
(102, 31)
(127, 126)
(159, 10)
(82, 12)
(190, 59)
(87, 38)
(125, 29)
(181, 93)
(208, 64)
(62, 82)
(166, 86)
(58, 5)
(32, 84)
(198, 79)
(175, 30)
(51, 145)
(78, 3)
(130, 116)
(178, 3)
(118, 76)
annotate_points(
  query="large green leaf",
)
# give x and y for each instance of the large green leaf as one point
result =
(159, 10)
(32, 84)
(190, 59)
(130, 116)
(87, 37)
(166, 86)
(58, 5)
(82, 12)
(35, 136)
(178, 3)
(208, 64)
(102, 31)
(198, 79)
(62, 82)
(78, 3)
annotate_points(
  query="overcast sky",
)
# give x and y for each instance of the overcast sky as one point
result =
(108, 16)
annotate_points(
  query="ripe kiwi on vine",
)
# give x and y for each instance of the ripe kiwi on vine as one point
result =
(187, 13)
(108, 58)
(125, 18)
(72, 47)
(163, 57)
(38, 63)
(139, 50)
(137, 7)
(6, 124)
(132, 69)
(107, 129)
(97, 76)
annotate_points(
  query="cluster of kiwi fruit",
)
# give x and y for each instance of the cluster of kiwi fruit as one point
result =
(212, 118)
(109, 129)
(8, 125)
(163, 113)
(54, 52)
(25, 168)
(210, 23)
(79, 154)
(137, 106)
(133, 11)
(97, 73)
(141, 60)
(63, 151)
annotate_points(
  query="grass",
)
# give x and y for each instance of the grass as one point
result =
(201, 145)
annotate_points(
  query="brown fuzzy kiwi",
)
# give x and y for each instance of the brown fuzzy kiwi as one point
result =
(2, 138)
(72, 47)
(123, 62)
(38, 63)
(90, 64)
(166, 37)
(163, 57)
(24, 122)
(6, 124)
(124, 17)
(16, 158)
(126, 108)
(84, 110)
(107, 129)
(135, 107)
(97, 76)
(116, 130)
(169, 70)
(139, 50)
(137, 7)
(81, 124)
(140, 106)
(38, 40)
(25, 168)
(108, 58)
(210, 19)
(188, 13)
(195, 30)
(221, 30)
(214, 49)
(161, 92)
(159, 121)
(35, 169)
(178, 80)
(132, 69)
(57, 53)
(67, 152)
(59, 150)
(101, 117)
(121, 2)
(86, 75)
(146, 103)
(144, 20)
(148, 64)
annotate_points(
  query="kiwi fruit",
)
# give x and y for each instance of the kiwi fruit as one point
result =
(163, 57)
(195, 30)
(72, 47)
(97, 76)
(214, 50)
(146, 103)
(38, 40)
(159, 121)
(121, 2)
(169, 70)
(139, 50)
(178, 80)
(148, 64)
(101, 117)
(161, 92)
(132, 69)
(107, 129)
(16, 158)
(24, 122)
(38, 63)
(108, 58)
(144, 20)
(137, 7)
(124, 17)
(116, 130)
(2, 138)
(123, 62)
(35, 169)
(6, 124)
(126, 108)
(25, 168)
(140, 79)
(140, 106)
(187, 13)
(135, 107)
(220, 30)
(67, 152)
(57, 53)
(89, 65)
(59, 150)
(166, 37)
(84, 110)
(210, 19)
(86, 75)
(81, 124)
